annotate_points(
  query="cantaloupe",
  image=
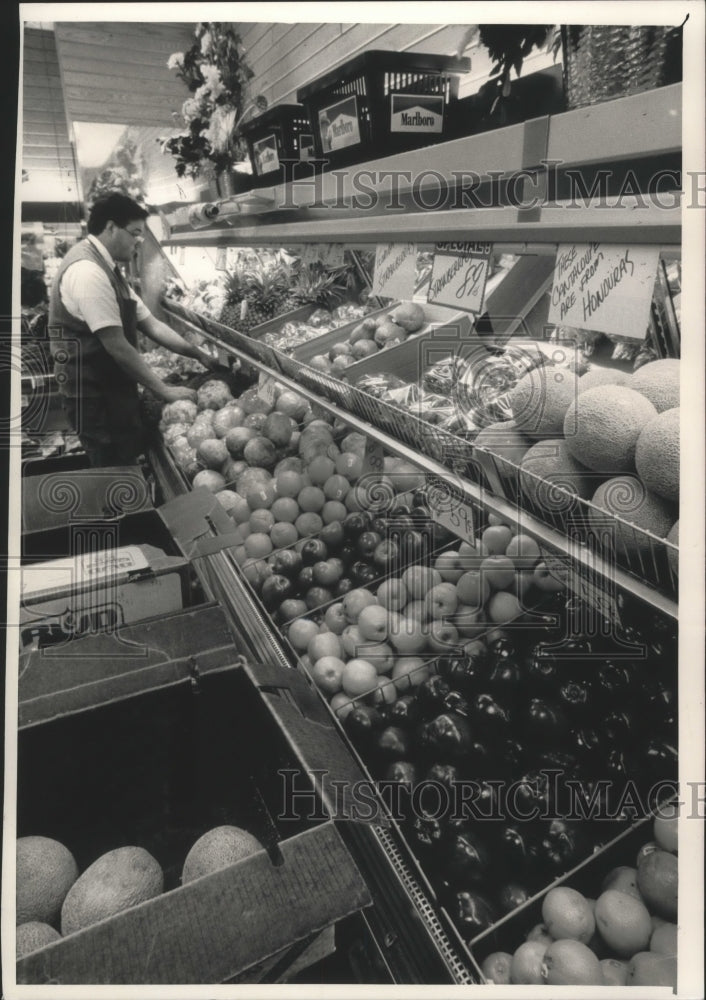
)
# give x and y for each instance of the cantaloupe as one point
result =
(45, 870)
(540, 399)
(602, 376)
(556, 466)
(116, 881)
(216, 849)
(659, 382)
(602, 426)
(627, 498)
(657, 454)
(32, 936)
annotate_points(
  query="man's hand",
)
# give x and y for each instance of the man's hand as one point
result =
(171, 393)
(208, 360)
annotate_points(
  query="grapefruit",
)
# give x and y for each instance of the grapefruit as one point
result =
(657, 880)
(571, 963)
(568, 914)
(623, 922)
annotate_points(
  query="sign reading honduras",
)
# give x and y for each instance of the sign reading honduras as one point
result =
(416, 113)
(338, 125)
(266, 158)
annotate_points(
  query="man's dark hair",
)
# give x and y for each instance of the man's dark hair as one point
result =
(117, 208)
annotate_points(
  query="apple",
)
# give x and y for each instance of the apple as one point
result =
(443, 637)
(316, 596)
(305, 578)
(524, 584)
(355, 524)
(373, 623)
(473, 589)
(441, 601)
(363, 573)
(416, 611)
(420, 579)
(275, 590)
(352, 640)
(313, 551)
(380, 654)
(386, 554)
(499, 571)
(301, 633)
(503, 607)
(470, 621)
(324, 644)
(341, 705)
(450, 566)
(354, 602)
(343, 587)
(472, 555)
(327, 572)
(335, 618)
(523, 551)
(496, 539)
(407, 636)
(286, 562)
(545, 580)
(385, 693)
(367, 542)
(332, 535)
(290, 609)
(327, 673)
(359, 677)
(392, 594)
(408, 672)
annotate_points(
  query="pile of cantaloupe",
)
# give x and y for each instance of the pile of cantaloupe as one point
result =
(54, 900)
(608, 437)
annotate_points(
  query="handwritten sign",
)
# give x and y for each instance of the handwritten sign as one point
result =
(449, 508)
(329, 254)
(221, 258)
(395, 270)
(459, 273)
(602, 287)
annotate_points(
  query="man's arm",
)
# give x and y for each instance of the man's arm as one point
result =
(162, 334)
(133, 364)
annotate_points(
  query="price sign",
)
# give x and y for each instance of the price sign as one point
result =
(459, 273)
(221, 259)
(395, 270)
(267, 389)
(450, 509)
(597, 286)
(374, 458)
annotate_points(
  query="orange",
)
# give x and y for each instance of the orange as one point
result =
(261, 521)
(571, 963)
(285, 509)
(665, 829)
(258, 545)
(526, 964)
(657, 880)
(308, 524)
(540, 933)
(623, 879)
(568, 914)
(283, 534)
(623, 922)
(319, 469)
(289, 484)
(311, 499)
(333, 510)
(336, 487)
(349, 464)
(261, 496)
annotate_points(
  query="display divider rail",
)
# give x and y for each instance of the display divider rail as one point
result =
(644, 563)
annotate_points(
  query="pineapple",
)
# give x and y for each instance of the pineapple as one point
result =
(265, 292)
(234, 295)
(321, 288)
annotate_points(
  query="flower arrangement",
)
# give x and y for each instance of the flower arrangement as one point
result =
(217, 77)
(509, 44)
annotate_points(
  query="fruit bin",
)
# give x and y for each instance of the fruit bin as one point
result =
(363, 108)
(150, 781)
(587, 878)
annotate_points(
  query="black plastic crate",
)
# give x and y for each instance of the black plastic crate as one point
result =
(380, 103)
(282, 133)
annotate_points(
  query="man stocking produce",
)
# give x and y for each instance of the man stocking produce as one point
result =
(94, 318)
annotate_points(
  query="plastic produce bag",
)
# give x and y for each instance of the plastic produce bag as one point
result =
(321, 317)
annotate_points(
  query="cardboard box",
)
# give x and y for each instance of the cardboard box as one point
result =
(157, 771)
(100, 590)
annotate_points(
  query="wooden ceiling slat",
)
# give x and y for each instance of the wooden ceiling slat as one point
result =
(89, 58)
(106, 80)
(132, 37)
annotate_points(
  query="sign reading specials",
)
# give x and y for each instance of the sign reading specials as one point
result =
(338, 125)
(265, 155)
(416, 113)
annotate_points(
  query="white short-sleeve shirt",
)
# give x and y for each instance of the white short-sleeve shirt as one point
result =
(88, 294)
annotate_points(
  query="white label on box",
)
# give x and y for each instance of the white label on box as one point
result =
(75, 572)
(265, 155)
(416, 113)
(221, 259)
(306, 147)
(374, 458)
(338, 125)
(267, 389)
(458, 276)
(602, 287)
(395, 270)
